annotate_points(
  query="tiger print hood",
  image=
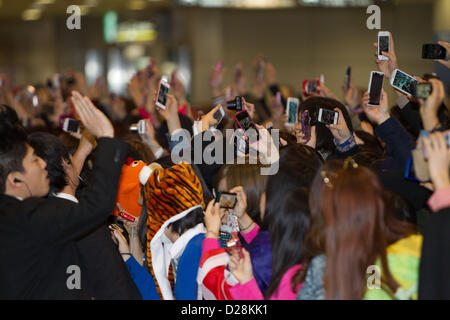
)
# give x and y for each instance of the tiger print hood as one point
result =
(167, 193)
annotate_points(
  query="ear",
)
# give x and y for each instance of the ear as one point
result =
(12, 179)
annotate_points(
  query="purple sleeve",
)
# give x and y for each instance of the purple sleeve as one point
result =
(249, 236)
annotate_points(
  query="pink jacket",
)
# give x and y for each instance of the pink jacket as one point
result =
(250, 289)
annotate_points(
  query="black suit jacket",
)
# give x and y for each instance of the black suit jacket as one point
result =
(38, 236)
(434, 282)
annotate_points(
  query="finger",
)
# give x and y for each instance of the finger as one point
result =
(79, 107)
(427, 145)
(388, 54)
(209, 207)
(217, 209)
(440, 139)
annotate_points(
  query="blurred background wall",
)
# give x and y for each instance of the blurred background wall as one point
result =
(301, 41)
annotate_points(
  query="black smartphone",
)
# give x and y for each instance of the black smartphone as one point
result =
(433, 51)
(244, 121)
(375, 87)
(227, 200)
(423, 90)
(347, 77)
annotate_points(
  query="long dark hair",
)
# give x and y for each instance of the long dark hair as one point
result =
(353, 226)
(298, 166)
(286, 231)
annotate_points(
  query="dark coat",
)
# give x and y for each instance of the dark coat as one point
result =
(434, 282)
(38, 236)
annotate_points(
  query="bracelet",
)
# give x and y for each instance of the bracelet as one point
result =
(243, 229)
(212, 235)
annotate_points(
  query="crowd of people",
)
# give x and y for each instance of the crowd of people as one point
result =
(357, 209)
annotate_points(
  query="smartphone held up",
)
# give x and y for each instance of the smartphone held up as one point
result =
(327, 116)
(163, 90)
(71, 125)
(310, 87)
(383, 44)
(246, 123)
(292, 111)
(375, 87)
(403, 82)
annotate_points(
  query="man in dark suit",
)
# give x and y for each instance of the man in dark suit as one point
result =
(38, 254)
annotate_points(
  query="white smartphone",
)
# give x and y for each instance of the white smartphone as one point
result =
(71, 125)
(162, 94)
(218, 115)
(292, 111)
(375, 87)
(403, 82)
(383, 44)
(141, 126)
(328, 116)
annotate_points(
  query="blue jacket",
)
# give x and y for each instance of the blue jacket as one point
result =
(186, 276)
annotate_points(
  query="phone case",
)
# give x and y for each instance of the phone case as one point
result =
(237, 120)
(305, 87)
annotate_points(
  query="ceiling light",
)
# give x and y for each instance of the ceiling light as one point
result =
(31, 14)
(136, 4)
(45, 1)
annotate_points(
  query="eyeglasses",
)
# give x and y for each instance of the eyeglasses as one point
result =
(326, 175)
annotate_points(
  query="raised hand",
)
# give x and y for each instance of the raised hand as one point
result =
(376, 114)
(446, 45)
(241, 268)
(340, 130)
(387, 66)
(326, 92)
(212, 217)
(438, 155)
(429, 107)
(93, 119)
(208, 119)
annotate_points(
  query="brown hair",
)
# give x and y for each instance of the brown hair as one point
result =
(352, 225)
(249, 177)
(143, 151)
